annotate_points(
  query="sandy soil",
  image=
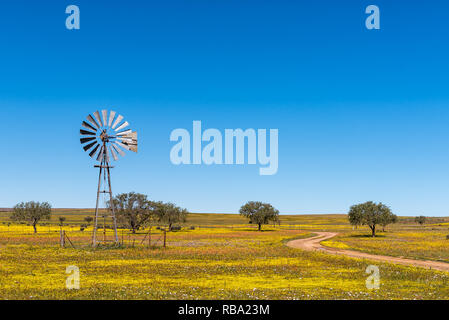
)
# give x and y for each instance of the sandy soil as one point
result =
(313, 244)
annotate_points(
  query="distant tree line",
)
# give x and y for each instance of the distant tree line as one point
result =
(133, 211)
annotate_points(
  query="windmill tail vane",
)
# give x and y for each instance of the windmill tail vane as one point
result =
(104, 134)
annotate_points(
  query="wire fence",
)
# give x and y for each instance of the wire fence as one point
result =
(80, 237)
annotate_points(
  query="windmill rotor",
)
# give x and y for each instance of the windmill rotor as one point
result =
(106, 133)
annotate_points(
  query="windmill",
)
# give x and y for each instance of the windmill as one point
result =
(103, 135)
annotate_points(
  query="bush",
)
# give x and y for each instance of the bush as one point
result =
(447, 237)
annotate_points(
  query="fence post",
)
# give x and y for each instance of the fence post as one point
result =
(62, 238)
(165, 238)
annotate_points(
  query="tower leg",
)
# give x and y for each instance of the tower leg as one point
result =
(114, 218)
(94, 236)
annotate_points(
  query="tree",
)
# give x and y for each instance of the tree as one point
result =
(132, 209)
(88, 220)
(421, 220)
(370, 214)
(388, 218)
(31, 212)
(170, 214)
(259, 213)
(355, 215)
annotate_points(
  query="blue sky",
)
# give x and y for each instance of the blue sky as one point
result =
(362, 115)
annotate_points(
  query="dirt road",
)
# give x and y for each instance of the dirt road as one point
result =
(313, 244)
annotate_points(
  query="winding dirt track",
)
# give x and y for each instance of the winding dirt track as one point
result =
(314, 244)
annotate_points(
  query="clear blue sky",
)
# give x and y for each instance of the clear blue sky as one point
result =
(362, 115)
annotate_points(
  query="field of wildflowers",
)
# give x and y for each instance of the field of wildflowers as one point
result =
(426, 243)
(220, 262)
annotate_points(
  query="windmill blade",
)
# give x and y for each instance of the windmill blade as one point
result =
(88, 126)
(117, 121)
(87, 133)
(133, 147)
(114, 155)
(100, 155)
(92, 153)
(117, 149)
(92, 121)
(84, 140)
(111, 118)
(105, 117)
(123, 126)
(129, 135)
(97, 116)
(129, 139)
(124, 139)
(124, 146)
(124, 133)
(90, 145)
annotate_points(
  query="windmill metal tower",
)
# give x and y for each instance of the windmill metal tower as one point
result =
(101, 136)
